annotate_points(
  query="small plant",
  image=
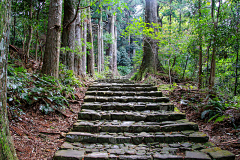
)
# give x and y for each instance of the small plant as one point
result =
(214, 110)
(30, 89)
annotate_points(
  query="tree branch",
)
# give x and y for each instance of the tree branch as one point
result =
(78, 8)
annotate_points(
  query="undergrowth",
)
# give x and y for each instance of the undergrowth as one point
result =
(33, 89)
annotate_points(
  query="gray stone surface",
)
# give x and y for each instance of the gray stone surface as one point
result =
(69, 155)
(196, 155)
(134, 121)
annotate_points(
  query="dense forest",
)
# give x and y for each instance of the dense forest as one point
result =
(50, 47)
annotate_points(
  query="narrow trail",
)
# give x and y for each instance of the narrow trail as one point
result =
(123, 120)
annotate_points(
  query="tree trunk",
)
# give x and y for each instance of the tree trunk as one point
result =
(84, 56)
(149, 45)
(102, 44)
(90, 67)
(30, 30)
(213, 61)
(112, 48)
(78, 55)
(109, 31)
(52, 51)
(99, 48)
(7, 150)
(68, 35)
(115, 70)
(200, 47)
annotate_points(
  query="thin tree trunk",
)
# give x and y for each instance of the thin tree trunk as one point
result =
(102, 45)
(52, 51)
(78, 55)
(109, 31)
(84, 57)
(115, 70)
(200, 47)
(112, 45)
(36, 47)
(185, 67)
(91, 60)
(30, 30)
(208, 48)
(213, 61)
(99, 49)
(236, 70)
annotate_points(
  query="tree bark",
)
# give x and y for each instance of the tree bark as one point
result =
(149, 62)
(68, 35)
(30, 30)
(213, 61)
(84, 56)
(112, 46)
(102, 44)
(52, 51)
(99, 48)
(200, 47)
(78, 55)
(115, 70)
(7, 150)
(90, 67)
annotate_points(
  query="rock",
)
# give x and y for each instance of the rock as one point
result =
(69, 155)
(196, 155)
(222, 155)
(96, 155)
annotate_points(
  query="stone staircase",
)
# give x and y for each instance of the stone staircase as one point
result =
(120, 120)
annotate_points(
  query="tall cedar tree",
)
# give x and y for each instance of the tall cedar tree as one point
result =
(7, 150)
(52, 51)
(150, 59)
(68, 35)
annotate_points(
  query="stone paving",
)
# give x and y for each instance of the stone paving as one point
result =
(120, 120)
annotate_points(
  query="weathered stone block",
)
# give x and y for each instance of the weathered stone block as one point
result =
(69, 155)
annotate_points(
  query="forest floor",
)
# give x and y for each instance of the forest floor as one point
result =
(38, 136)
(222, 134)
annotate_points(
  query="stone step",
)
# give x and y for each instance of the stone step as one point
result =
(102, 85)
(92, 88)
(147, 115)
(116, 126)
(114, 81)
(149, 151)
(135, 106)
(125, 99)
(137, 138)
(133, 151)
(124, 93)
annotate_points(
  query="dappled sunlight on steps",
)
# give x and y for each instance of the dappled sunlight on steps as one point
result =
(127, 121)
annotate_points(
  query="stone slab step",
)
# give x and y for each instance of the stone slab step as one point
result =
(126, 99)
(135, 106)
(153, 88)
(114, 81)
(137, 138)
(147, 115)
(116, 126)
(102, 85)
(149, 151)
(124, 93)
(156, 150)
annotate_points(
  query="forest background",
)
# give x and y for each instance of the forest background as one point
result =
(192, 41)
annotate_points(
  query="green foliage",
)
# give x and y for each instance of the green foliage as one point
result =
(214, 110)
(31, 89)
(106, 71)
(123, 58)
(124, 70)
